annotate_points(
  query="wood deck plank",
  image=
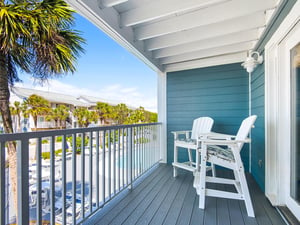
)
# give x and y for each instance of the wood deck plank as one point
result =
(106, 217)
(197, 214)
(163, 210)
(162, 199)
(144, 205)
(187, 207)
(156, 203)
(132, 206)
(176, 206)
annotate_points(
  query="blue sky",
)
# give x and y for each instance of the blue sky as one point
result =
(106, 70)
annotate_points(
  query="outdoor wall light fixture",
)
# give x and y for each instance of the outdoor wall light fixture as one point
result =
(252, 61)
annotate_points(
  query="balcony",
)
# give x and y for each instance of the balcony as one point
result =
(118, 165)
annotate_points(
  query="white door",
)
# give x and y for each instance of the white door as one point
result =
(289, 118)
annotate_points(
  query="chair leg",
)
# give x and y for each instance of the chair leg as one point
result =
(175, 161)
(174, 171)
(190, 157)
(245, 191)
(202, 186)
(213, 170)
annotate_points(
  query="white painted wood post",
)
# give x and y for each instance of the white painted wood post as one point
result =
(162, 113)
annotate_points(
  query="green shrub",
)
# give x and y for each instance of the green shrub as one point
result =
(45, 141)
(59, 139)
(78, 143)
(57, 152)
(45, 155)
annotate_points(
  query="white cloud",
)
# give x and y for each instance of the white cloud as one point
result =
(131, 96)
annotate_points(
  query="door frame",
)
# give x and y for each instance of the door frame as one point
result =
(277, 110)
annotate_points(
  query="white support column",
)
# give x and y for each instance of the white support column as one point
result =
(162, 112)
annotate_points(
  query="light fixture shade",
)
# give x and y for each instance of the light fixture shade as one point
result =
(251, 62)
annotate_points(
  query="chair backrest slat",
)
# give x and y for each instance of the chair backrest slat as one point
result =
(244, 129)
(201, 125)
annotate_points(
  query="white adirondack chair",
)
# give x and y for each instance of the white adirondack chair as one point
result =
(188, 140)
(227, 156)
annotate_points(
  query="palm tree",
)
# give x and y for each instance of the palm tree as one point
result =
(85, 117)
(104, 111)
(121, 113)
(37, 106)
(16, 110)
(35, 37)
(59, 115)
(138, 115)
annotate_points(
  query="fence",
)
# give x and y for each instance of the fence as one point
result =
(64, 176)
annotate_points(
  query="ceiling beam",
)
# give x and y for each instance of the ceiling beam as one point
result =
(208, 53)
(213, 61)
(205, 32)
(160, 9)
(110, 3)
(235, 38)
(206, 16)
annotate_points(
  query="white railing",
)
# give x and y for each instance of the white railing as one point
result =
(65, 176)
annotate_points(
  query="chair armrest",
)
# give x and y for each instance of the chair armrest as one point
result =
(186, 132)
(223, 142)
(181, 132)
(220, 136)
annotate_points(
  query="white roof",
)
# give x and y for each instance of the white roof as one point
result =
(173, 35)
(50, 96)
(92, 100)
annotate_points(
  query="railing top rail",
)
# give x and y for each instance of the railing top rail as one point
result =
(40, 134)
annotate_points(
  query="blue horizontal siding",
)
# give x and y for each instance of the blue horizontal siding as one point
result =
(220, 92)
(258, 133)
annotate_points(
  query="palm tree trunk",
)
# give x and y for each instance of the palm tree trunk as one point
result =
(7, 123)
(19, 124)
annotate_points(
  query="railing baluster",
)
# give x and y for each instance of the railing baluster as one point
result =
(144, 147)
(52, 180)
(91, 172)
(97, 169)
(119, 159)
(114, 162)
(74, 175)
(82, 173)
(127, 157)
(130, 157)
(137, 159)
(38, 184)
(63, 176)
(2, 184)
(134, 152)
(23, 184)
(109, 164)
(123, 157)
(103, 167)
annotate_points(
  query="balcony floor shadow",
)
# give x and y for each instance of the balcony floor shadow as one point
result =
(162, 199)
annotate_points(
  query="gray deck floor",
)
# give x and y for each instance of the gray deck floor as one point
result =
(162, 199)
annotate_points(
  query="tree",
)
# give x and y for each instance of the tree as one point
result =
(138, 115)
(85, 117)
(121, 113)
(37, 106)
(104, 111)
(16, 110)
(150, 117)
(59, 115)
(35, 37)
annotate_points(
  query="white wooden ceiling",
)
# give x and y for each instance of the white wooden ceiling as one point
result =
(173, 35)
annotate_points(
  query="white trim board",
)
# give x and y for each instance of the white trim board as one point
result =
(275, 103)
